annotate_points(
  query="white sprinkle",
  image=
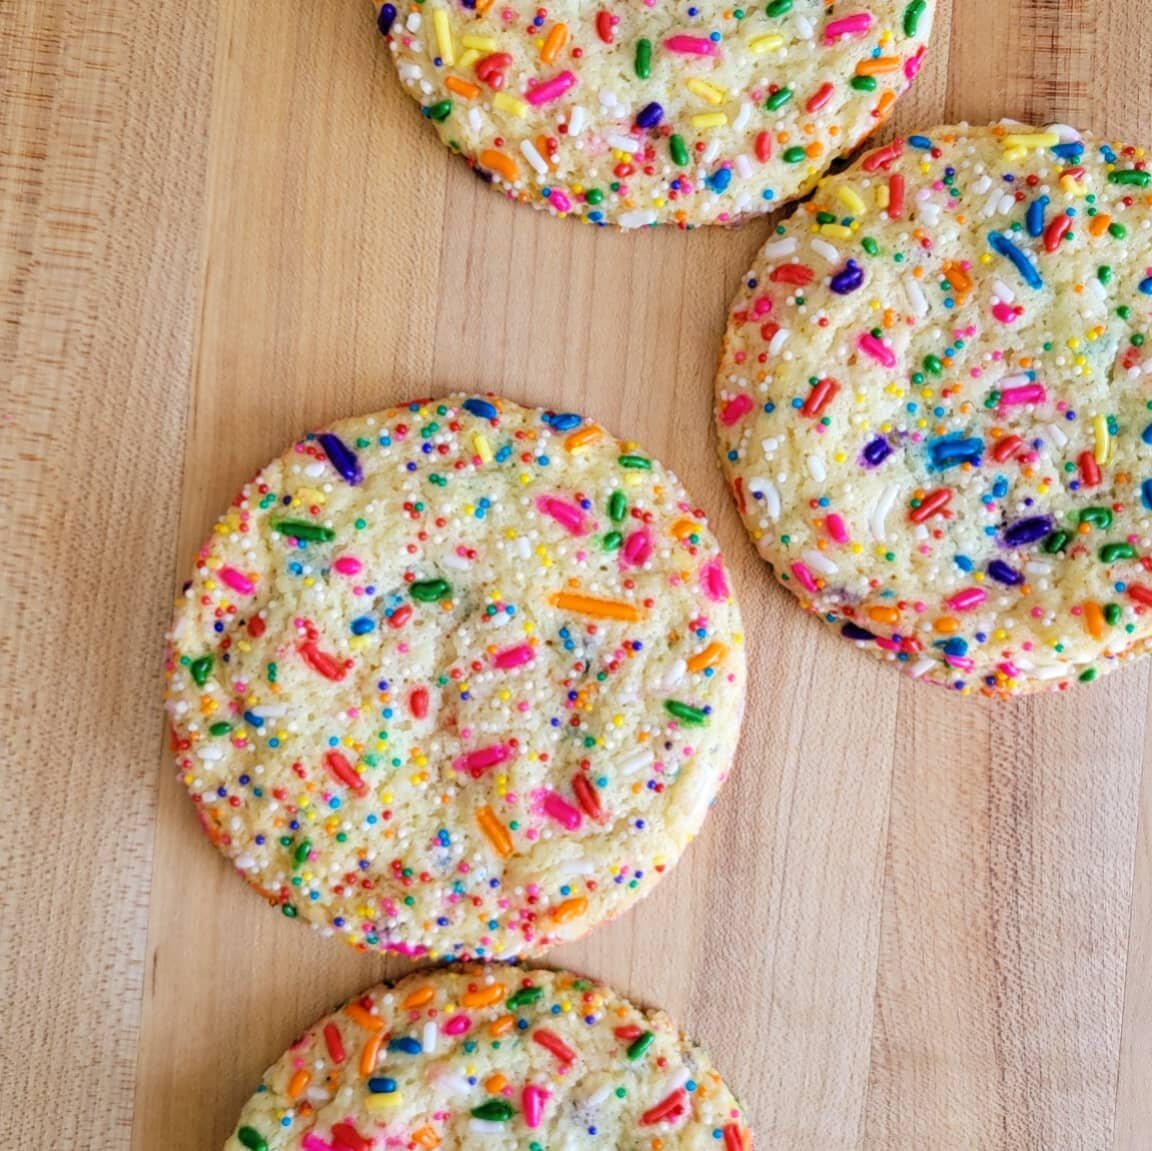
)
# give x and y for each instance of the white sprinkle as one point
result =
(819, 562)
(638, 219)
(577, 121)
(991, 205)
(624, 143)
(929, 213)
(778, 341)
(804, 28)
(916, 297)
(210, 753)
(816, 468)
(269, 710)
(1002, 292)
(1035, 567)
(880, 510)
(982, 185)
(743, 166)
(528, 151)
(742, 117)
(778, 249)
(313, 470)
(413, 22)
(1056, 432)
(823, 248)
(431, 1037)
(1067, 134)
(636, 760)
(770, 496)
(674, 675)
(921, 667)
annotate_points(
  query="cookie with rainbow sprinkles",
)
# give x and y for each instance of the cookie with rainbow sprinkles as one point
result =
(934, 405)
(469, 1056)
(461, 678)
(686, 112)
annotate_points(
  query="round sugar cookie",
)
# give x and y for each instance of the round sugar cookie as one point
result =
(672, 111)
(934, 406)
(468, 1056)
(461, 678)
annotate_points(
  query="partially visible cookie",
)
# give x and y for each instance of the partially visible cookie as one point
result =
(934, 405)
(669, 111)
(469, 1056)
(461, 678)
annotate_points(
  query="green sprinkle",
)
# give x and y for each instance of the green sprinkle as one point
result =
(863, 83)
(643, 59)
(594, 196)
(439, 111)
(1088, 676)
(779, 8)
(617, 506)
(1055, 543)
(303, 530)
(934, 365)
(1112, 614)
(494, 1111)
(1097, 517)
(870, 246)
(1117, 231)
(1110, 553)
(252, 1139)
(302, 852)
(1130, 176)
(612, 541)
(692, 716)
(679, 151)
(221, 728)
(778, 99)
(523, 997)
(637, 1049)
(201, 669)
(912, 16)
(794, 155)
(289, 910)
(639, 463)
(430, 590)
(1104, 274)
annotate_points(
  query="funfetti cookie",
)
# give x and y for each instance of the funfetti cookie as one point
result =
(469, 1056)
(934, 406)
(461, 678)
(666, 111)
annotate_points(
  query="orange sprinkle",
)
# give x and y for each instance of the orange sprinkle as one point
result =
(1099, 224)
(483, 996)
(364, 1018)
(946, 625)
(495, 832)
(425, 1136)
(877, 66)
(370, 1053)
(462, 87)
(582, 438)
(681, 529)
(1094, 619)
(713, 654)
(298, 1084)
(958, 277)
(889, 615)
(421, 997)
(495, 1084)
(502, 1025)
(500, 164)
(570, 909)
(557, 38)
(596, 608)
(884, 105)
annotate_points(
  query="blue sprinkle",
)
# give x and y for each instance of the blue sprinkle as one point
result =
(1073, 150)
(253, 720)
(1003, 573)
(1035, 217)
(481, 408)
(650, 115)
(953, 449)
(1146, 494)
(406, 1044)
(876, 451)
(720, 179)
(1002, 246)
(381, 1085)
(848, 279)
(386, 19)
(363, 625)
(1145, 286)
(920, 142)
(563, 421)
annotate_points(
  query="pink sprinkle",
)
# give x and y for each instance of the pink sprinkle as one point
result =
(559, 200)
(559, 809)
(513, 656)
(967, 599)
(1005, 313)
(347, 565)
(855, 25)
(457, 1025)
(570, 517)
(475, 763)
(315, 1143)
(912, 65)
(762, 305)
(237, 581)
(735, 409)
(883, 641)
(1009, 669)
(714, 581)
(533, 1099)
(880, 352)
(837, 529)
(804, 577)
(692, 45)
(1025, 394)
(963, 662)
(637, 548)
(551, 89)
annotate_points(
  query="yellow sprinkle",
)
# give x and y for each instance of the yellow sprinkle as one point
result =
(443, 36)
(1031, 140)
(479, 43)
(468, 58)
(709, 120)
(483, 447)
(706, 91)
(850, 198)
(881, 196)
(836, 231)
(384, 1102)
(768, 43)
(1103, 442)
(509, 103)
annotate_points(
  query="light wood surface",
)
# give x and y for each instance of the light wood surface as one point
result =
(912, 922)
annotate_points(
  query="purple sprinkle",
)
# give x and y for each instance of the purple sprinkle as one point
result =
(386, 19)
(876, 451)
(1027, 531)
(649, 116)
(853, 632)
(848, 279)
(343, 458)
(1002, 573)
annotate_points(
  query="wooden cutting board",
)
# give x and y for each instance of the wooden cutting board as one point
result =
(912, 922)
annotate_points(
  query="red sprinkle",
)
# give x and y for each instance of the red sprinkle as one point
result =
(552, 1042)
